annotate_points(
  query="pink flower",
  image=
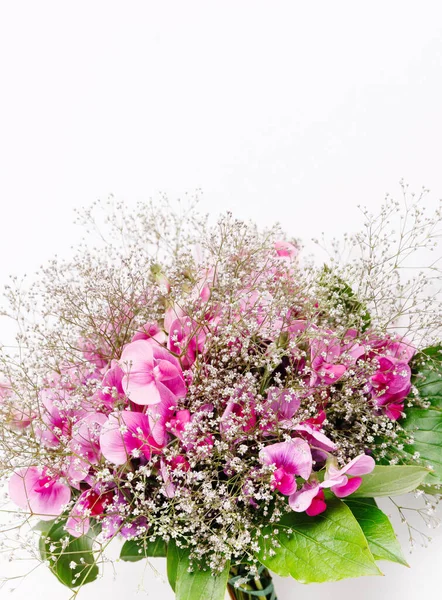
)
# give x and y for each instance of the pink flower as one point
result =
(177, 465)
(57, 416)
(325, 352)
(16, 414)
(177, 424)
(91, 353)
(285, 249)
(310, 497)
(150, 331)
(391, 384)
(111, 389)
(340, 484)
(151, 373)
(239, 415)
(90, 503)
(186, 339)
(315, 438)
(85, 442)
(34, 489)
(127, 435)
(291, 459)
(283, 403)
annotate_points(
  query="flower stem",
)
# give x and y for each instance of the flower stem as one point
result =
(242, 586)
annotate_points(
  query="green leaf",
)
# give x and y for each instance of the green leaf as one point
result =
(378, 530)
(328, 547)
(196, 585)
(391, 481)
(425, 424)
(135, 550)
(62, 550)
(43, 526)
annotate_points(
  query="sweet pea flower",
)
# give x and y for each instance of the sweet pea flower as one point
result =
(335, 479)
(283, 403)
(394, 347)
(391, 384)
(239, 415)
(85, 442)
(17, 415)
(286, 249)
(290, 459)
(91, 353)
(57, 417)
(175, 466)
(150, 331)
(91, 503)
(111, 389)
(151, 373)
(177, 424)
(127, 435)
(325, 352)
(186, 339)
(36, 490)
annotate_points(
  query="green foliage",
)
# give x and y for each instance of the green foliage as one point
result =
(377, 529)
(328, 547)
(135, 550)
(340, 290)
(197, 584)
(425, 424)
(62, 550)
(391, 481)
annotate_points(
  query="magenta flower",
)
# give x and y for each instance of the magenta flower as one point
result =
(85, 442)
(127, 435)
(186, 339)
(239, 414)
(283, 403)
(151, 373)
(57, 417)
(337, 479)
(169, 472)
(150, 331)
(90, 503)
(310, 497)
(391, 384)
(177, 424)
(325, 352)
(111, 389)
(34, 489)
(290, 459)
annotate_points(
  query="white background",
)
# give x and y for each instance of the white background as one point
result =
(289, 111)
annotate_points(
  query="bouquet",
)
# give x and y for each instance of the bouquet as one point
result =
(209, 394)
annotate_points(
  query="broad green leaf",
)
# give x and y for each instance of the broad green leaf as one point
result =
(174, 555)
(425, 424)
(328, 547)
(196, 585)
(135, 550)
(378, 530)
(63, 550)
(390, 481)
